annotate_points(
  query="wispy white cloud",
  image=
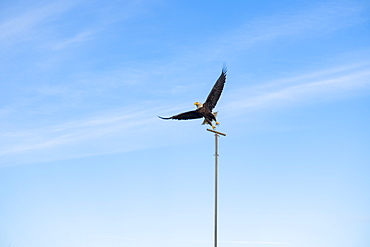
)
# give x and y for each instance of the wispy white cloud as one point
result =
(76, 39)
(120, 130)
(313, 87)
(329, 16)
(337, 71)
(72, 131)
(20, 26)
(55, 25)
(314, 20)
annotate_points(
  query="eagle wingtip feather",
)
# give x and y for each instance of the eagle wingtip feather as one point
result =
(224, 69)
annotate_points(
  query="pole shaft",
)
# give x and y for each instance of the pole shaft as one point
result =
(216, 182)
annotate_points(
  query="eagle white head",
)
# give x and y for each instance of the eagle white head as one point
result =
(199, 105)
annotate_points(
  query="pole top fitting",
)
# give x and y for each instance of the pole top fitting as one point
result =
(216, 132)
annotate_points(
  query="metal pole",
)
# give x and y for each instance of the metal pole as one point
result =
(216, 180)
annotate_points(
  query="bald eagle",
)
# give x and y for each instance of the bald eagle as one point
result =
(205, 110)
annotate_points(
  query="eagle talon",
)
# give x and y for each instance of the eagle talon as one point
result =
(217, 123)
(213, 127)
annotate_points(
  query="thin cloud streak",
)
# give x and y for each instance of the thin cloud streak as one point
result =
(37, 24)
(52, 136)
(325, 87)
(22, 25)
(324, 18)
(327, 73)
(78, 38)
(327, 17)
(115, 132)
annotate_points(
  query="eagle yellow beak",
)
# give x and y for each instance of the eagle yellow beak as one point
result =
(196, 103)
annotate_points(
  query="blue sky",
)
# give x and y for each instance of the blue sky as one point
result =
(84, 160)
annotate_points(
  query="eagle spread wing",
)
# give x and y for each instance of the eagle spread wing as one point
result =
(185, 116)
(216, 91)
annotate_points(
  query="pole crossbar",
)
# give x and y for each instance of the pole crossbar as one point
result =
(216, 132)
(216, 182)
